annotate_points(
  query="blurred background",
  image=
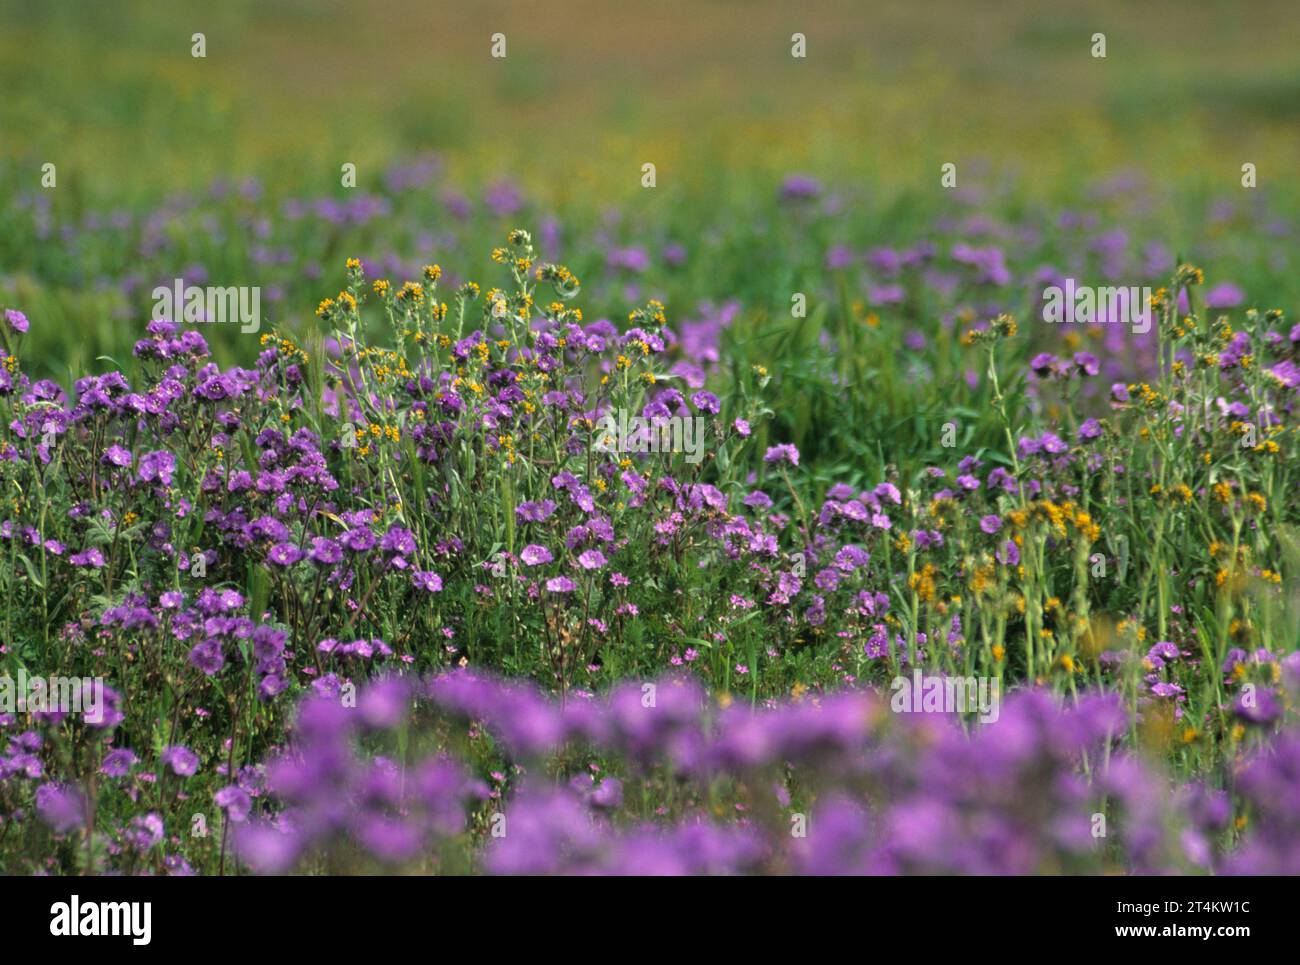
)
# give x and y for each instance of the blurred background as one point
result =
(589, 90)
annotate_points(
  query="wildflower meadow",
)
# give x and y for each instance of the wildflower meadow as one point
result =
(433, 516)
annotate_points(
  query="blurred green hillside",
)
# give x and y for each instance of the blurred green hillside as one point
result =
(706, 89)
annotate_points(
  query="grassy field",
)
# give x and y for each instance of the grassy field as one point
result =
(394, 485)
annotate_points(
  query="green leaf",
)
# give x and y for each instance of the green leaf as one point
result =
(31, 572)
